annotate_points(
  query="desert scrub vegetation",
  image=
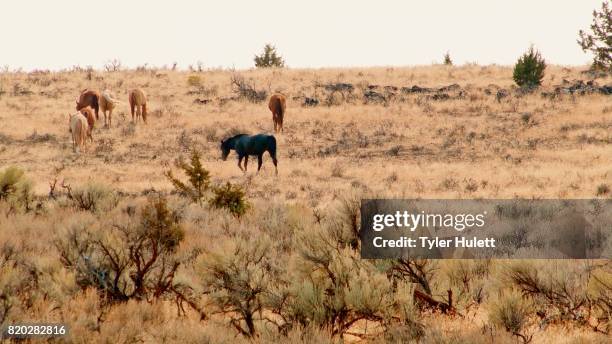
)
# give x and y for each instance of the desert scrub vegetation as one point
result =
(92, 196)
(559, 291)
(288, 270)
(512, 313)
(127, 258)
(226, 196)
(280, 273)
(16, 189)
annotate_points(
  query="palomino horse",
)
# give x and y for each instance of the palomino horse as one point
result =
(79, 128)
(107, 104)
(138, 102)
(246, 145)
(277, 106)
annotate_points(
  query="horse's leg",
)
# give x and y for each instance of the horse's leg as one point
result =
(246, 160)
(239, 163)
(110, 117)
(275, 162)
(132, 105)
(275, 165)
(259, 161)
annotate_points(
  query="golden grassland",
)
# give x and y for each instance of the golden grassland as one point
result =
(476, 147)
(406, 149)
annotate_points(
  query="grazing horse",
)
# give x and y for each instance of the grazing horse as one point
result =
(107, 104)
(89, 115)
(89, 98)
(246, 145)
(138, 101)
(277, 106)
(79, 128)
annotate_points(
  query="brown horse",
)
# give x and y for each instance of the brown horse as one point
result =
(138, 102)
(89, 98)
(277, 106)
(89, 115)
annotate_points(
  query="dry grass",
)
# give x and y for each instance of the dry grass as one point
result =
(474, 147)
(527, 147)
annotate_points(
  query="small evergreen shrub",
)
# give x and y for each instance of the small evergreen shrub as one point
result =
(269, 58)
(199, 178)
(529, 69)
(599, 40)
(447, 59)
(230, 197)
(603, 189)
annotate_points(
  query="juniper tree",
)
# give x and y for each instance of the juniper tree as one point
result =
(269, 58)
(529, 69)
(199, 178)
(599, 40)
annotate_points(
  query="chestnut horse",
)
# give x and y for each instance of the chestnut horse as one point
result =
(89, 98)
(277, 106)
(89, 115)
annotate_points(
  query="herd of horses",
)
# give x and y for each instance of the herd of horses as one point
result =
(91, 102)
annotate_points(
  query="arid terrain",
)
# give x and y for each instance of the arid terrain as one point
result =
(348, 134)
(522, 146)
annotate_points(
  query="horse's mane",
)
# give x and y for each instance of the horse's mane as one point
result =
(235, 136)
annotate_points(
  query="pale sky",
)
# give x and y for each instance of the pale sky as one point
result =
(317, 33)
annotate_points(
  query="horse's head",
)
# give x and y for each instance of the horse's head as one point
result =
(225, 149)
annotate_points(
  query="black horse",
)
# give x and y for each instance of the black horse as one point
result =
(246, 145)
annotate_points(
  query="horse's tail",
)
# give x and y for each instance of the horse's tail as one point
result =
(280, 109)
(96, 105)
(272, 146)
(109, 98)
(272, 150)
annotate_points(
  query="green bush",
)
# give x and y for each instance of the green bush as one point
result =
(529, 69)
(230, 197)
(269, 58)
(16, 189)
(599, 41)
(447, 59)
(199, 178)
(194, 81)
